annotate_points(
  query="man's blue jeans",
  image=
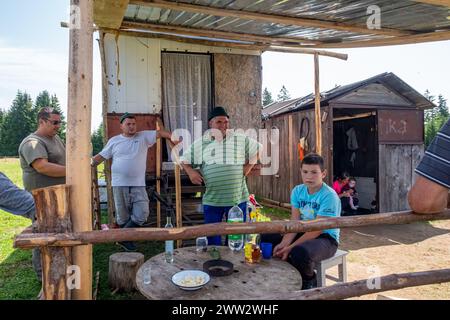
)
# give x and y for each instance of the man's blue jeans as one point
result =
(214, 214)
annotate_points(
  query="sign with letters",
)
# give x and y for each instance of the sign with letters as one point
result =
(400, 126)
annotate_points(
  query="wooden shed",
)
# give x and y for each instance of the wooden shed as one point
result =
(179, 83)
(372, 129)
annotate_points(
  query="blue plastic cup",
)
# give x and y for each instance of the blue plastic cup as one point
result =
(266, 248)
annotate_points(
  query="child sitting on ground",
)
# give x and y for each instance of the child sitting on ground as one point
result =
(351, 196)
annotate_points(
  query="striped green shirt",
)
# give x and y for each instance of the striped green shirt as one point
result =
(221, 165)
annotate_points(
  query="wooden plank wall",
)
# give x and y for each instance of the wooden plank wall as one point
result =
(396, 174)
(278, 187)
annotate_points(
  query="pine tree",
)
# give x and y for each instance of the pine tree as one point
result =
(97, 140)
(283, 95)
(442, 108)
(436, 117)
(267, 97)
(16, 124)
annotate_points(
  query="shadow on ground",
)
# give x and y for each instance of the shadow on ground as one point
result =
(384, 235)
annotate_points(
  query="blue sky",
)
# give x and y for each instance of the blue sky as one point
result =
(34, 56)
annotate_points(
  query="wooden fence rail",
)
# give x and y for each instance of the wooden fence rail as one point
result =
(367, 286)
(30, 240)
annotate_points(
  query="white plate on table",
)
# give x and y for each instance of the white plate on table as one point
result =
(190, 279)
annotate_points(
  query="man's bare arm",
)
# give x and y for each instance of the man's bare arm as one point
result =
(427, 196)
(194, 175)
(44, 167)
(96, 160)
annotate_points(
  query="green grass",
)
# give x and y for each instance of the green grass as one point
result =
(17, 278)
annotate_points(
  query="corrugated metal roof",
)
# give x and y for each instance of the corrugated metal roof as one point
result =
(388, 79)
(402, 15)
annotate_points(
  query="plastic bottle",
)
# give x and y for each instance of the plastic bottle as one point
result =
(235, 241)
(169, 243)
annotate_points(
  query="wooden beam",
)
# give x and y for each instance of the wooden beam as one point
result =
(107, 163)
(215, 33)
(109, 13)
(179, 213)
(271, 18)
(78, 152)
(317, 116)
(27, 240)
(444, 3)
(291, 152)
(52, 215)
(158, 176)
(360, 287)
(419, 38)
(288, 49)
(174, 37)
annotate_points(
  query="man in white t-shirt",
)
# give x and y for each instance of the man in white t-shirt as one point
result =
(129, 158)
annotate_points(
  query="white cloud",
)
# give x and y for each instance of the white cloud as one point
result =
(31, 70)
(36, 69)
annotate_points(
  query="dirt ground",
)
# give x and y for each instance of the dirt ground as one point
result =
(390, 249)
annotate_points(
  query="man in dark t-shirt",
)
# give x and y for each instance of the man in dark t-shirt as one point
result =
(43, 154)
(433, 176)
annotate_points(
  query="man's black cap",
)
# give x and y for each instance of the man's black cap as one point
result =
(126, 115)
(218, 111)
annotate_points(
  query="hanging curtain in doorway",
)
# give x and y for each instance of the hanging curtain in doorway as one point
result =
(186, 90)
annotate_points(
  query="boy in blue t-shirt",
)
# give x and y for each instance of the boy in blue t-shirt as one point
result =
(311, 200)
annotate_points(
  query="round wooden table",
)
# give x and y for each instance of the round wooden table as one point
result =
(248, 281)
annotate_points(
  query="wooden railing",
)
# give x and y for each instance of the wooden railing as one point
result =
(56, 239)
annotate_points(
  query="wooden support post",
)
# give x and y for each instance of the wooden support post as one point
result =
(318, 120)
(360, 287)
(291, 153)
(79, 136)
(96, 208)
(158, 176)
(178, 200)
(107, 163)
(52, 215)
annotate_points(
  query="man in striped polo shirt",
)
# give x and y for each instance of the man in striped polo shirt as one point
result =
(224, 159)
(430, 191)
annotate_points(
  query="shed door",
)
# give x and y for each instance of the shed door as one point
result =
(186, 90)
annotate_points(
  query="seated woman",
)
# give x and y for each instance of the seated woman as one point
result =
(341, 181)
(350, 201)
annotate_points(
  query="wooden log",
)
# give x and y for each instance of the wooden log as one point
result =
(317, 117)
(291, 49)
(277, 203)
(417, 38)
(275, 206)
(158, 176)
(363, 287)
(52, 215)
(107, 163)
(291, 152)
(179, 213)
(123, 267)
(97, 282)
(201, 32)
(145, 234)
(96, 208)
(174, 37)
(79, 136)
